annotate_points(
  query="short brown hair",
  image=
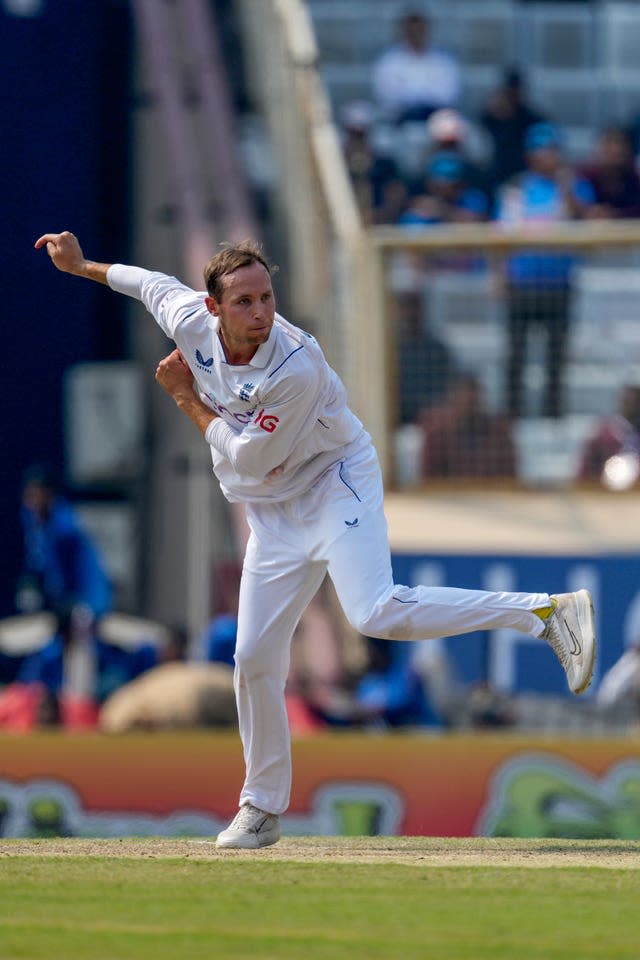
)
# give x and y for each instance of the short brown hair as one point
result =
(230, 259)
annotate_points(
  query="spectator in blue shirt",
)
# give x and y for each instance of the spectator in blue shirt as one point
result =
(391, 692)
(446, 197)
(115, 666)
(218, 643)
(539, 283)
(62, 567)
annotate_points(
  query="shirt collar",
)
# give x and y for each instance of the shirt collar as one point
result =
(263, 353)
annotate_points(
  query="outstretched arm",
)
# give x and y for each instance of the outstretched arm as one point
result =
(66, 253)
(175, 377)
(166, 299)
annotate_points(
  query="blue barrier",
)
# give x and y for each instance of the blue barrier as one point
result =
(511, 660)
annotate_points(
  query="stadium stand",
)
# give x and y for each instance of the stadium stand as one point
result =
(581, 57)
(581, 72)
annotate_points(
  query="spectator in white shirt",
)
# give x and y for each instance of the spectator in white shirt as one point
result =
(412, 78)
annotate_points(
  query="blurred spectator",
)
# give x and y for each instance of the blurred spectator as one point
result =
(218, 643)
(616, 435)
(42, 695)
(20, 636)
(613, 176)
(449, 131)
(446, 197)
(506, 117)
(538, 283)
(119, 664)
(463, 439)
(412, 78)
(379, 188)
(62, 573)
(62, 567)
(425, 366)
(391, 692)
(173, 696)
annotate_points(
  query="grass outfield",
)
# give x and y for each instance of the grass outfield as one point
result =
(333, 898)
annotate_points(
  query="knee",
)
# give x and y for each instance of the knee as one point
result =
(252, 662)
(369, 614)
(249, 663)
(366, 622)
(389, 617)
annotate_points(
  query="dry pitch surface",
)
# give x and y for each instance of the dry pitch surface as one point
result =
(419, 851)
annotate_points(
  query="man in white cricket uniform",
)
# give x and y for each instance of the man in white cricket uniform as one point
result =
(285, 443)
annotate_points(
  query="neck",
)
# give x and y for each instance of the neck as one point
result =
(237, 355)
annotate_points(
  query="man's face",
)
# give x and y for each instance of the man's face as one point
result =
(613, 150)
(415, 30)
(545, 160)
(246, 309)
(37, 499)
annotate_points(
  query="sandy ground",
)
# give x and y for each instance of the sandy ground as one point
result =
(419, 851)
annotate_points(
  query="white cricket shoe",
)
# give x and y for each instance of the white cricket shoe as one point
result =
(570, 632)
(250, 828)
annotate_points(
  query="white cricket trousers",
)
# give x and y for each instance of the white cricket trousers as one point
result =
(339, 527)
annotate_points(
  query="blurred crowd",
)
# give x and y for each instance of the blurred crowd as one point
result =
(417, 159)
(69, 660)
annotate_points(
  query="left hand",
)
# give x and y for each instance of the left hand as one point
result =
(174, 376)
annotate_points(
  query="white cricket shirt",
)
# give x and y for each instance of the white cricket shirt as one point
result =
(283, 417)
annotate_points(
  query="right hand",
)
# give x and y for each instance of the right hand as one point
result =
(175, 377)
(64, 250)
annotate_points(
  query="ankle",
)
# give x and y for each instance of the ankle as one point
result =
(545, 612)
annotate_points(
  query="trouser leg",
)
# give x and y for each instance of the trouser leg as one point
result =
(556, 322)
(274, 592)
(520, 308)
(359, 564)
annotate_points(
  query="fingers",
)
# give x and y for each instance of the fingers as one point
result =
(53, 238)
(45, 238)
(161, 371)
(170, 358)
(173, 361)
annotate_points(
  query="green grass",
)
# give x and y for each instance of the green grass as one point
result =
(100, 908)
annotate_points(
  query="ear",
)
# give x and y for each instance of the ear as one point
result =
(211, 305)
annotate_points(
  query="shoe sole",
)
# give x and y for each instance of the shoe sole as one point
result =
(586, 619)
